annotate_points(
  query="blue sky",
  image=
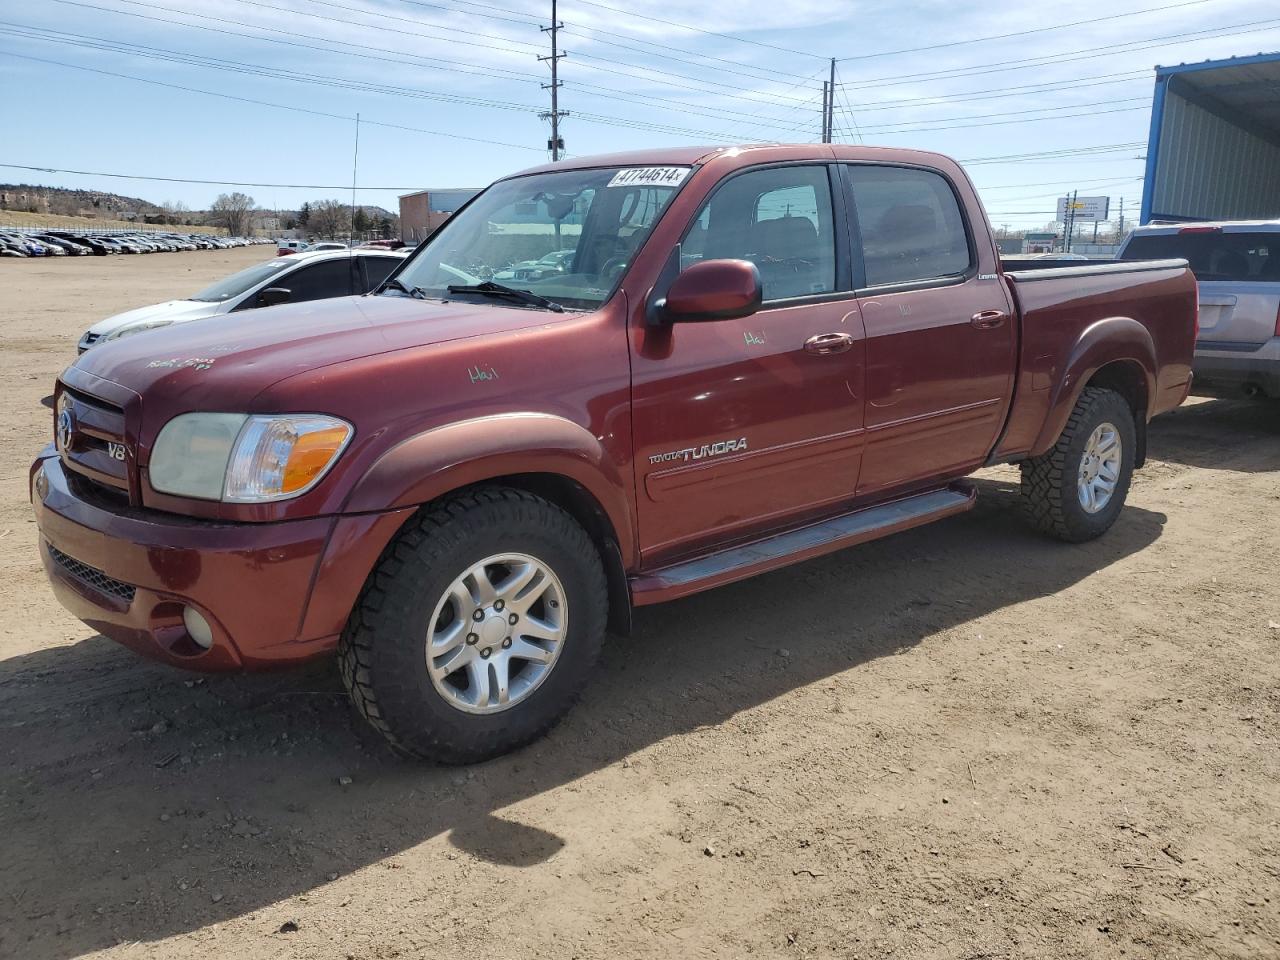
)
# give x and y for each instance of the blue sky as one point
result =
(658, 74)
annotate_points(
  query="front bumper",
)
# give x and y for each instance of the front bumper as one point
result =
(1240, 369)
(273, 593)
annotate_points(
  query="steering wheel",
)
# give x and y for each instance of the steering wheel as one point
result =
(613, 269)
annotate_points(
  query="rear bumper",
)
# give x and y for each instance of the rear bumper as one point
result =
(1240, 369)
(273, 593)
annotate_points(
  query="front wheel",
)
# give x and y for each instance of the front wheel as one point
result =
(1076, 490)
(479, 627)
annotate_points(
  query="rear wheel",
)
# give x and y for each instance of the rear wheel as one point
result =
(479, 627)
(1077, 489)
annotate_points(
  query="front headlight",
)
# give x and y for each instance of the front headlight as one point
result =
(130, 330)
(245, 459)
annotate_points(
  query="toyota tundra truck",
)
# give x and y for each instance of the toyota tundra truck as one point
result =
(457, 485)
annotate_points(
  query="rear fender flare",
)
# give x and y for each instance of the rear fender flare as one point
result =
(428, 465)
(1102, 342)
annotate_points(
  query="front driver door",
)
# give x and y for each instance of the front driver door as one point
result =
(743, 425)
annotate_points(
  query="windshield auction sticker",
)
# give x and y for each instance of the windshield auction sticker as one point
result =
(650, 176)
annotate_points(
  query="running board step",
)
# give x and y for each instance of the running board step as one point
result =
(783, 549)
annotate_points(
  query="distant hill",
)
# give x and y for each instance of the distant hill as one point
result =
(30, 198)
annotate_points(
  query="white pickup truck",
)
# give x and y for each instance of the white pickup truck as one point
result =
(1237, 265)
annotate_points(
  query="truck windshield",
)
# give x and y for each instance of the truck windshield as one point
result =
(568, 236)
(1213, 254)
(238, 283)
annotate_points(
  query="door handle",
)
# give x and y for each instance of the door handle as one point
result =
(988, 319)
(826, 343)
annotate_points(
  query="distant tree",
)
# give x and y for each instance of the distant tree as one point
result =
(384, 227)
(360, 222)
(304, 215)
(231, 210)
(175, 211)
(329, 218)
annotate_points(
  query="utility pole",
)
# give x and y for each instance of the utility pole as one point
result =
(829, 105)
(1121, 237)
(555, 144)
(826, 93)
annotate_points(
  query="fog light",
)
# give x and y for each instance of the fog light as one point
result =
(198, 627)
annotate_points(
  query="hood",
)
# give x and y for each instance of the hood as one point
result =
(179, 311)
(224, 362)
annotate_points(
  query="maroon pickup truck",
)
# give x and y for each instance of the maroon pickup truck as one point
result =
(458, 484)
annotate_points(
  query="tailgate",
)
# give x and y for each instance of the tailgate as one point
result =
(1237, 314)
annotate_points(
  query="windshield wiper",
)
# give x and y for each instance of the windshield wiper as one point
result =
(491, 289)
(416, 292)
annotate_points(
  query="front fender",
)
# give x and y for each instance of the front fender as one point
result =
(1104, 341)
(437, 461)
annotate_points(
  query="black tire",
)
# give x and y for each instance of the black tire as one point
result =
(1049, 482)
(383, 655)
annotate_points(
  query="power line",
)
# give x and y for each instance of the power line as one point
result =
(178, 56)
(1021, 33)
(429, 62)
(578, 55)
(389, 90)
(1001, 123)
(575, 30)
(267, 103)
(710, 33)
(1257, 26)
(1046, 183)
(213, 183)
(999, 93)
(392, 90)
(1088, 185)
(1061, 152)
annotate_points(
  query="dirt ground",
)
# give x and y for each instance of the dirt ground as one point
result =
(965, 741)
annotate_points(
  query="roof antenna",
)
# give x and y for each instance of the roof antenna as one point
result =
(355, 161)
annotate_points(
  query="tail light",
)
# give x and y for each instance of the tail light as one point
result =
(1278, 321)
(1200, 230)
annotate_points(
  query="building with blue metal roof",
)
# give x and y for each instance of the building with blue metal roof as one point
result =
(1214, 149)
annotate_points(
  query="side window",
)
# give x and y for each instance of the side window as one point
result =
(779, 219)
(911, 225)
(377, 269)
(319, 281)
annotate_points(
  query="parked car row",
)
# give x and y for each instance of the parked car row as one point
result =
(285, 247)
(61, 243)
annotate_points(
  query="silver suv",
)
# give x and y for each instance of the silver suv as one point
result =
(1237, 265)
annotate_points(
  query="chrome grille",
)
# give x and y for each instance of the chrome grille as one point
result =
(95, 428)
(92, 575)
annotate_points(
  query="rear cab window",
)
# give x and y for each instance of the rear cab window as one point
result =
(1214, 255)
(910, 223)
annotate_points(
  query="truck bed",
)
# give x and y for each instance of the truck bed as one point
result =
(1065, 309)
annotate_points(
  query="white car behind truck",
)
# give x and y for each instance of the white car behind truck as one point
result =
(1237, 265)
(295, 279)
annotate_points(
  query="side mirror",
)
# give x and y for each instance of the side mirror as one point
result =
(713, 290)
(273, 295)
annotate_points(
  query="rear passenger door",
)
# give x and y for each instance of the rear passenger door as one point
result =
(939, 324)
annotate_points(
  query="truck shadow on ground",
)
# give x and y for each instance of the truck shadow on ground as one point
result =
(138, 803)
(1219, 434)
